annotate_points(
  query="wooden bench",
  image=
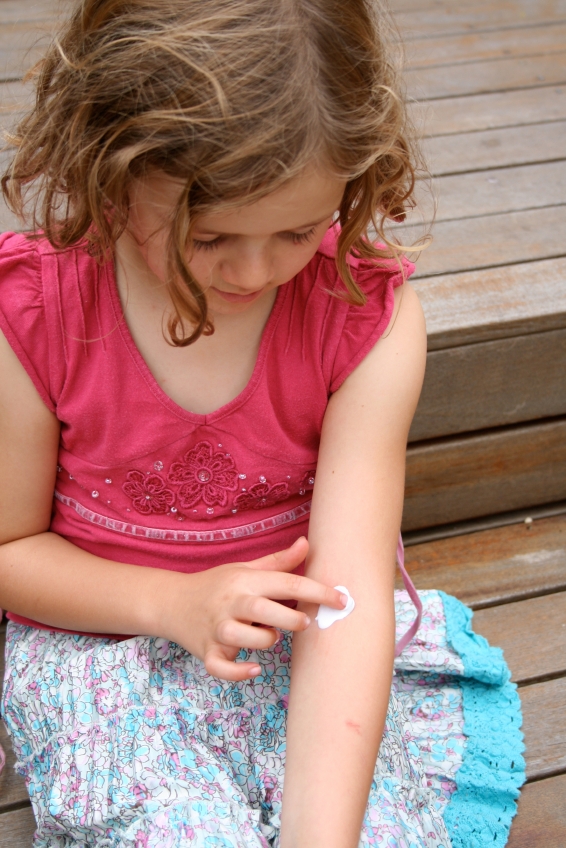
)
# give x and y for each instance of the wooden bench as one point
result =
(487, 448)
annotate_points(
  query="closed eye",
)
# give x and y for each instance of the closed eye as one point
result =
(300, 238)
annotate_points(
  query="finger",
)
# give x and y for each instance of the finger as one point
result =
(285, 560)
(238, 634)
(219, 665)
(284, 586)
(273, 615)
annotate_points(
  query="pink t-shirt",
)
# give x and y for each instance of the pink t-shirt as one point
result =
(142, 480)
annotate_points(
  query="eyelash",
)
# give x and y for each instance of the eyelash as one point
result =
(296, 238)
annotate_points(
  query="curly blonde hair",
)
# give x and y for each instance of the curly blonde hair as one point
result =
(235, 97)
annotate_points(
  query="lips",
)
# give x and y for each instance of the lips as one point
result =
(238, 298)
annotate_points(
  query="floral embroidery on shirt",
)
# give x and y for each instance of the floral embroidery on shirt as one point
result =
(261, 495)
(148, 492)
(204, 476)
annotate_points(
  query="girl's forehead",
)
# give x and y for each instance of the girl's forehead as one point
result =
(302, 202)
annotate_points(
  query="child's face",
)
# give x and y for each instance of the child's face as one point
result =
(242, 254)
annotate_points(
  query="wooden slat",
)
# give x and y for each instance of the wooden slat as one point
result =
(506, 239)
(21, 45)
(457, 49)
(16, 11)
(494, 303)
(465, 477)
(490, 111)
(494, 192)
(451, 18)
(494, 566)
(17, 829)
(544, 726)
(532, 634)
(491, 384)
(541, 815)
(483, 77)
(456, 154)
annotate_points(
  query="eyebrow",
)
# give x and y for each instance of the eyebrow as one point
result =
(298, 227)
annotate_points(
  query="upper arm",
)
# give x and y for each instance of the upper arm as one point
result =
(358, 495)
(29, 442)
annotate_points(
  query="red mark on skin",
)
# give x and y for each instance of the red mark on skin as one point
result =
(354, 726)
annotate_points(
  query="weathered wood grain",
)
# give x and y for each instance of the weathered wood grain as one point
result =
(448, 18)
(457, 49)
(466, 152)
(532, 634)
(482, 77)
(494, 303)
(541, 815)
(493, 566)
(544, 726)
(17, 828)
(21, 45)
(506, 239)
(16, 11)
(493, 192)
(490, 111)
(491, 384)
(469, 476)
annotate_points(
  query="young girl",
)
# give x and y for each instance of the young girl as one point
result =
(206, 360)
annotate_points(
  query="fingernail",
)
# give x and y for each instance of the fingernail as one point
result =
(307, 619)
(255, 670)
(344, 599)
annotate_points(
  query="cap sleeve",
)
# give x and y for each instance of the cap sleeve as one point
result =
(22, 311)
(351, 331)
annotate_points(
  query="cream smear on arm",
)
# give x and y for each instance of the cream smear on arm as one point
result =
(327, 616)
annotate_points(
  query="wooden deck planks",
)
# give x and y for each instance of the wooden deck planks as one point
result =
(494, 303)
(485, 242)
(17, 828)
(446, 18)
(544, 726)
(477, 112)
(497, 75)
(500, 190)
(532, 634)
(465, 477)
(477, 151)
(501, 43)
(541, 816)
(492, 384)
(494, 567)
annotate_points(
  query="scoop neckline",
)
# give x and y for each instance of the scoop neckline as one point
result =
(152, 383)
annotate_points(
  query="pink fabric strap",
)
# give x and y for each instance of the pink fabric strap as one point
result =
(413, 594)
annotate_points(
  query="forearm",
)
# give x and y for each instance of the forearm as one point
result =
(341, 680)
(50, 580)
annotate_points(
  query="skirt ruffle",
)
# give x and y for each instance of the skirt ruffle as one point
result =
(133, 745)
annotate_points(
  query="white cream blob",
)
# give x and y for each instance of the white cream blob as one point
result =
(327, 616)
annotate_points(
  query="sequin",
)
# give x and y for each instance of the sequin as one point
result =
(158, 465)
(204, 475)
(173, 509)
(242, 476)
(108, 480)
(95, 494)
(262, 479)
(210, 510)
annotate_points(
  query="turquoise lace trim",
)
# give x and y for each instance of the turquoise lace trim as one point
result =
(482, 807)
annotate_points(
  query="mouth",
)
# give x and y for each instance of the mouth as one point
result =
(238, 298)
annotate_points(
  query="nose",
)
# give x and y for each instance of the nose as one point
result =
(248, 269)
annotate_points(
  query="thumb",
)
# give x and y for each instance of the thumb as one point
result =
(285, 560)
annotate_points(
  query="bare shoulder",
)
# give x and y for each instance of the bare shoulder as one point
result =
(29, 441)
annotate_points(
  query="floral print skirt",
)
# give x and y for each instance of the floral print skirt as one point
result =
(133, 745)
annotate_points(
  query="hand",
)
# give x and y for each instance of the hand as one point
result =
(212, 614)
